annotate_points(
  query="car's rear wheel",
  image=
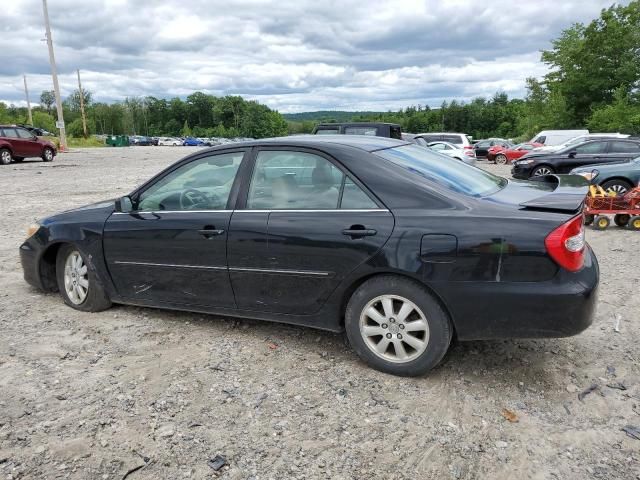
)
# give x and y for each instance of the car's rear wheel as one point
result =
(601, 222)
(622, 219)
(5, 157)
(501, 159)
(47, 154)
(542, 170)
(619, 187)
(78, 284)
(396, 326)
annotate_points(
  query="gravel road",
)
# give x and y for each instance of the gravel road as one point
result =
(93, 396)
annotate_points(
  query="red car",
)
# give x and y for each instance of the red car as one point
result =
(17, 143)
(502, 155)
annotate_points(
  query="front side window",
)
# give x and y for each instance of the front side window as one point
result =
(328, 131)
(371, 131)
(290, 180)
(590, 148)
(22, 133)
(202, 184)
(445, 171)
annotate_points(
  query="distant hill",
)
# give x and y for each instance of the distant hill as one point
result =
(326, 116)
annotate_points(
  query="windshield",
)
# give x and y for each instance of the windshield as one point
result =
(443, 170)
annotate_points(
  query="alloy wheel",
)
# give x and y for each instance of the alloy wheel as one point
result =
(76, 279)
(394, 328)
(618, 189)
(542, 171)
(501, 159)
(48, 154)
(5, 159)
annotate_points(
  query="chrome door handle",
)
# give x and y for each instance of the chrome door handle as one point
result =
(210, 232)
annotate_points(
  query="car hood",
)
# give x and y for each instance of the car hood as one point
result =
(94, 211)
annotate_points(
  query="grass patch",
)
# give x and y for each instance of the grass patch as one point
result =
(73, 142)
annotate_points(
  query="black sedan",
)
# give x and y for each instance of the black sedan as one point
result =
(563, 161)
(399, 246)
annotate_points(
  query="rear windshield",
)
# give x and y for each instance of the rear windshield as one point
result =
(327, 131)
(446, 171)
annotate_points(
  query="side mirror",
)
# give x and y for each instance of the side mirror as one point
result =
(124, 204)
(572, 154)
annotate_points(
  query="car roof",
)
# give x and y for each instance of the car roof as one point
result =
(440, 133)
(367, 143)
(356, 124)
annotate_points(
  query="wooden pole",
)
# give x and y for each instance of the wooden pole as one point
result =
(54, 75)
(26, 94)
(84, 118)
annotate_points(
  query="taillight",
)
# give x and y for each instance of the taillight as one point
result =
(470, 153)
(566, 244)
(467, 147)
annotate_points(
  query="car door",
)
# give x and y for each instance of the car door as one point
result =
(620, 150)
(171, 248)
(18, 145)
(585, 154)
(29, 143)
(303, 227)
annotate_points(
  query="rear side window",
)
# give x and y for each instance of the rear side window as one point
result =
(431, 138)
(593, 147)
(10, 133)
(624, 147)
(455, 139)
(371, 131)
(354, 198)
(445, 171)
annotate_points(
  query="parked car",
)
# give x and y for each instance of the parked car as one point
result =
(481, 147)
(461, 140)
(192, 142)
(587, 153)
(39, 132)
(618, 178)
(556, 137)
(453, 151)
(579, 139)
(503, 155)
(169, 141)
(140, 140)
(389, 130)
(17, 143)
(303, 230)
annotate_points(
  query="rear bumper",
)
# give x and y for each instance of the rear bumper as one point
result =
(561, 307)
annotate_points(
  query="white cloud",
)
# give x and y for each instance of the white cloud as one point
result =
(294, 56)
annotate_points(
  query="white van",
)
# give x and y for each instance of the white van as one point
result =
(556, 137)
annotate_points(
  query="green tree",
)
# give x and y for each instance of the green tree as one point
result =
(44, 120)
(47, 99)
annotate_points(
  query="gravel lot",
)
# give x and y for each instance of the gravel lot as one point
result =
(87, 396)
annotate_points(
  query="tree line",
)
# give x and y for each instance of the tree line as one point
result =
(593, 82)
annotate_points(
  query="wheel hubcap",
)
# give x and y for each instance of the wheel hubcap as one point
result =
(6, 157)
(617, 189)
(501, 159)
(394, 328)
(76, 279)
(542, 171)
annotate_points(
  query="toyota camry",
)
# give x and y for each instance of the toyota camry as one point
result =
(400, 247)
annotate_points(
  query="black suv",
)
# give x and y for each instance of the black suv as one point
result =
(588, 153)
(389, 130)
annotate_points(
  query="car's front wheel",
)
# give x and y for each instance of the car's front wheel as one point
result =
(542, 170)
(5, 156)
(396, 326)
(78, 284)
(47, 154)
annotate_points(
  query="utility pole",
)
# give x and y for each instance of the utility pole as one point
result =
(26, 94)
(54, 75)
(84, 118)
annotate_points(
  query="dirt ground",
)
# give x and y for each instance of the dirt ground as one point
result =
(92, 396)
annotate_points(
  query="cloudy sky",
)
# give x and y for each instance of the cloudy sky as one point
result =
(295, 56)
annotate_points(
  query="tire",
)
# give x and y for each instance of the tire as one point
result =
(601, 222)
(431, 338)
(95, 298)
(634, 224)
(619, 187)
(588, 219)
(621, 220)
(501, 159)
(542, 170)
(5, 156)
(47, 155)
